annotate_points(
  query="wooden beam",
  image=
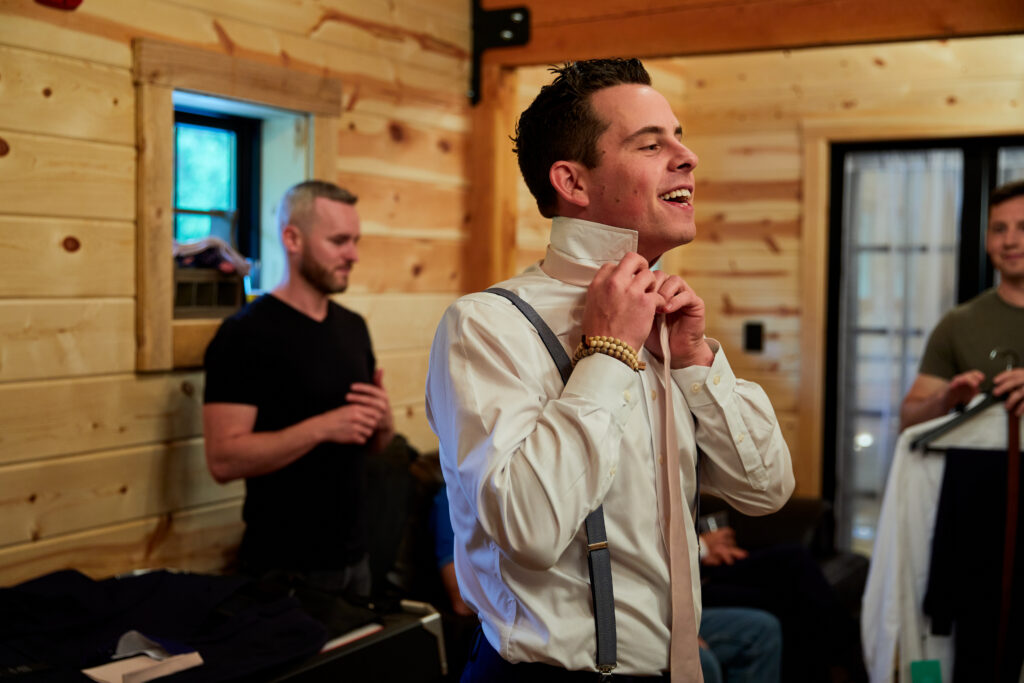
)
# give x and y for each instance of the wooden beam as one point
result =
(48, 498)
(490, 252)
(398, 321)
(325, 148)
(200, 539)
(41, 419)
(93, 257)
(190, 339)
(51, 95)
(607, 28)
(814, 315)
(45, 338)
(154, 260)
(95, 179)
(186, 68)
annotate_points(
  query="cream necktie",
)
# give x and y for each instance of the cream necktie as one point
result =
(684, 656)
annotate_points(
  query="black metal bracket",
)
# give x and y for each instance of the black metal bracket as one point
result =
(495, 28)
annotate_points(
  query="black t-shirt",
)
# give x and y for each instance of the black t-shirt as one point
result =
(311, 513)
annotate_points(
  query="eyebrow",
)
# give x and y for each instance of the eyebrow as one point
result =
(653, 130)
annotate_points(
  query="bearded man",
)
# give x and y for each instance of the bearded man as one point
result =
(294, 403)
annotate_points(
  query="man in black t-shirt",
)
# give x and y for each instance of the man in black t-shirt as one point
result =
(294, 403)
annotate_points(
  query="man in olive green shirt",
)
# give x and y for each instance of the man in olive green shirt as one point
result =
(958, 361)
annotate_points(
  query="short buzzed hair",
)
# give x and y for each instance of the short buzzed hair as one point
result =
(1005, 193)
(296, 206)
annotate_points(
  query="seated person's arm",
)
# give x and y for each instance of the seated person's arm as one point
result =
(235, 451)
(719, 547)
(444, 551)
(451, 587)
(931, 396)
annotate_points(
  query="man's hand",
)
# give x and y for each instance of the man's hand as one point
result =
(621, 301)
(962, 388)
(684, 315)
(931, 396)
(722, 548)
(1010, 384)
(373, 396)
(354, 423)
(368, 412)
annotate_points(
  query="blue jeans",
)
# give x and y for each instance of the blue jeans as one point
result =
(745, 646)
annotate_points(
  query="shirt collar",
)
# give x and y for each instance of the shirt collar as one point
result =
(591, 243)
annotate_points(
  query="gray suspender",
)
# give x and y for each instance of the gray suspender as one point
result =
(598, 556)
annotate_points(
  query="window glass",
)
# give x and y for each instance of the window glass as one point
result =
(900, 238)
(1011, 164)
(204, 177)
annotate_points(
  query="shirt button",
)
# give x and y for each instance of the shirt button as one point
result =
(654, 395)
(611, 472)
(695, 388)
(718, 378)
(628, 396)
(739, 439)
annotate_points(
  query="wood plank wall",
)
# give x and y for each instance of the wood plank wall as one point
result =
(745, 116)
(102, 468)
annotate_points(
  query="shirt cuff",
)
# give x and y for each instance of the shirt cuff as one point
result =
(606, 381)
(702, 385)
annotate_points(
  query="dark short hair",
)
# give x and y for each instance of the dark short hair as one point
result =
(560, 124)
(296, 206)
(1005, 192)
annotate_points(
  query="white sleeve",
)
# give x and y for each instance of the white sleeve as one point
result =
(747, 462)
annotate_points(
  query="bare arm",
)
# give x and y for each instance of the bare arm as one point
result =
(235, 451)
(930, 396)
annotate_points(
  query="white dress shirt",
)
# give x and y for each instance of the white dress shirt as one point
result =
(527, 458)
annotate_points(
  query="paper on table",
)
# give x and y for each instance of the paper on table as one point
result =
(142, 668)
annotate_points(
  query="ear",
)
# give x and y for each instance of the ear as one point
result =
(291, 239)
(570, 180)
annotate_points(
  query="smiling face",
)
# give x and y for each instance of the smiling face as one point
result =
(644, 176)
(329, 246)
(1004, 241)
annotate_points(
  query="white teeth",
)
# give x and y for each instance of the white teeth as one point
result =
(676, 194)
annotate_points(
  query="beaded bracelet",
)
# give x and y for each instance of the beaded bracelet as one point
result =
(610, 346)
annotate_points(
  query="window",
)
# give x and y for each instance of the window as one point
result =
(217, 179)
(908, 225)
(233, 161)
(163, 72)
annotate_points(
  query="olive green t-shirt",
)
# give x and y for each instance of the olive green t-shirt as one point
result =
(965, 337)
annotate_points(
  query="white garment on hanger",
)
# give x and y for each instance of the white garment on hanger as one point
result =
(891, 612)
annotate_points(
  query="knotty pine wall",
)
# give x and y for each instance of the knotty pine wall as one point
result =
(746, 115)
(102, 467)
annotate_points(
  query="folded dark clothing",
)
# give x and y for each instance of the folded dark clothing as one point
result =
(60, 623)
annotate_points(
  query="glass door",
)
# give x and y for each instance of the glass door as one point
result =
(908, 225)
